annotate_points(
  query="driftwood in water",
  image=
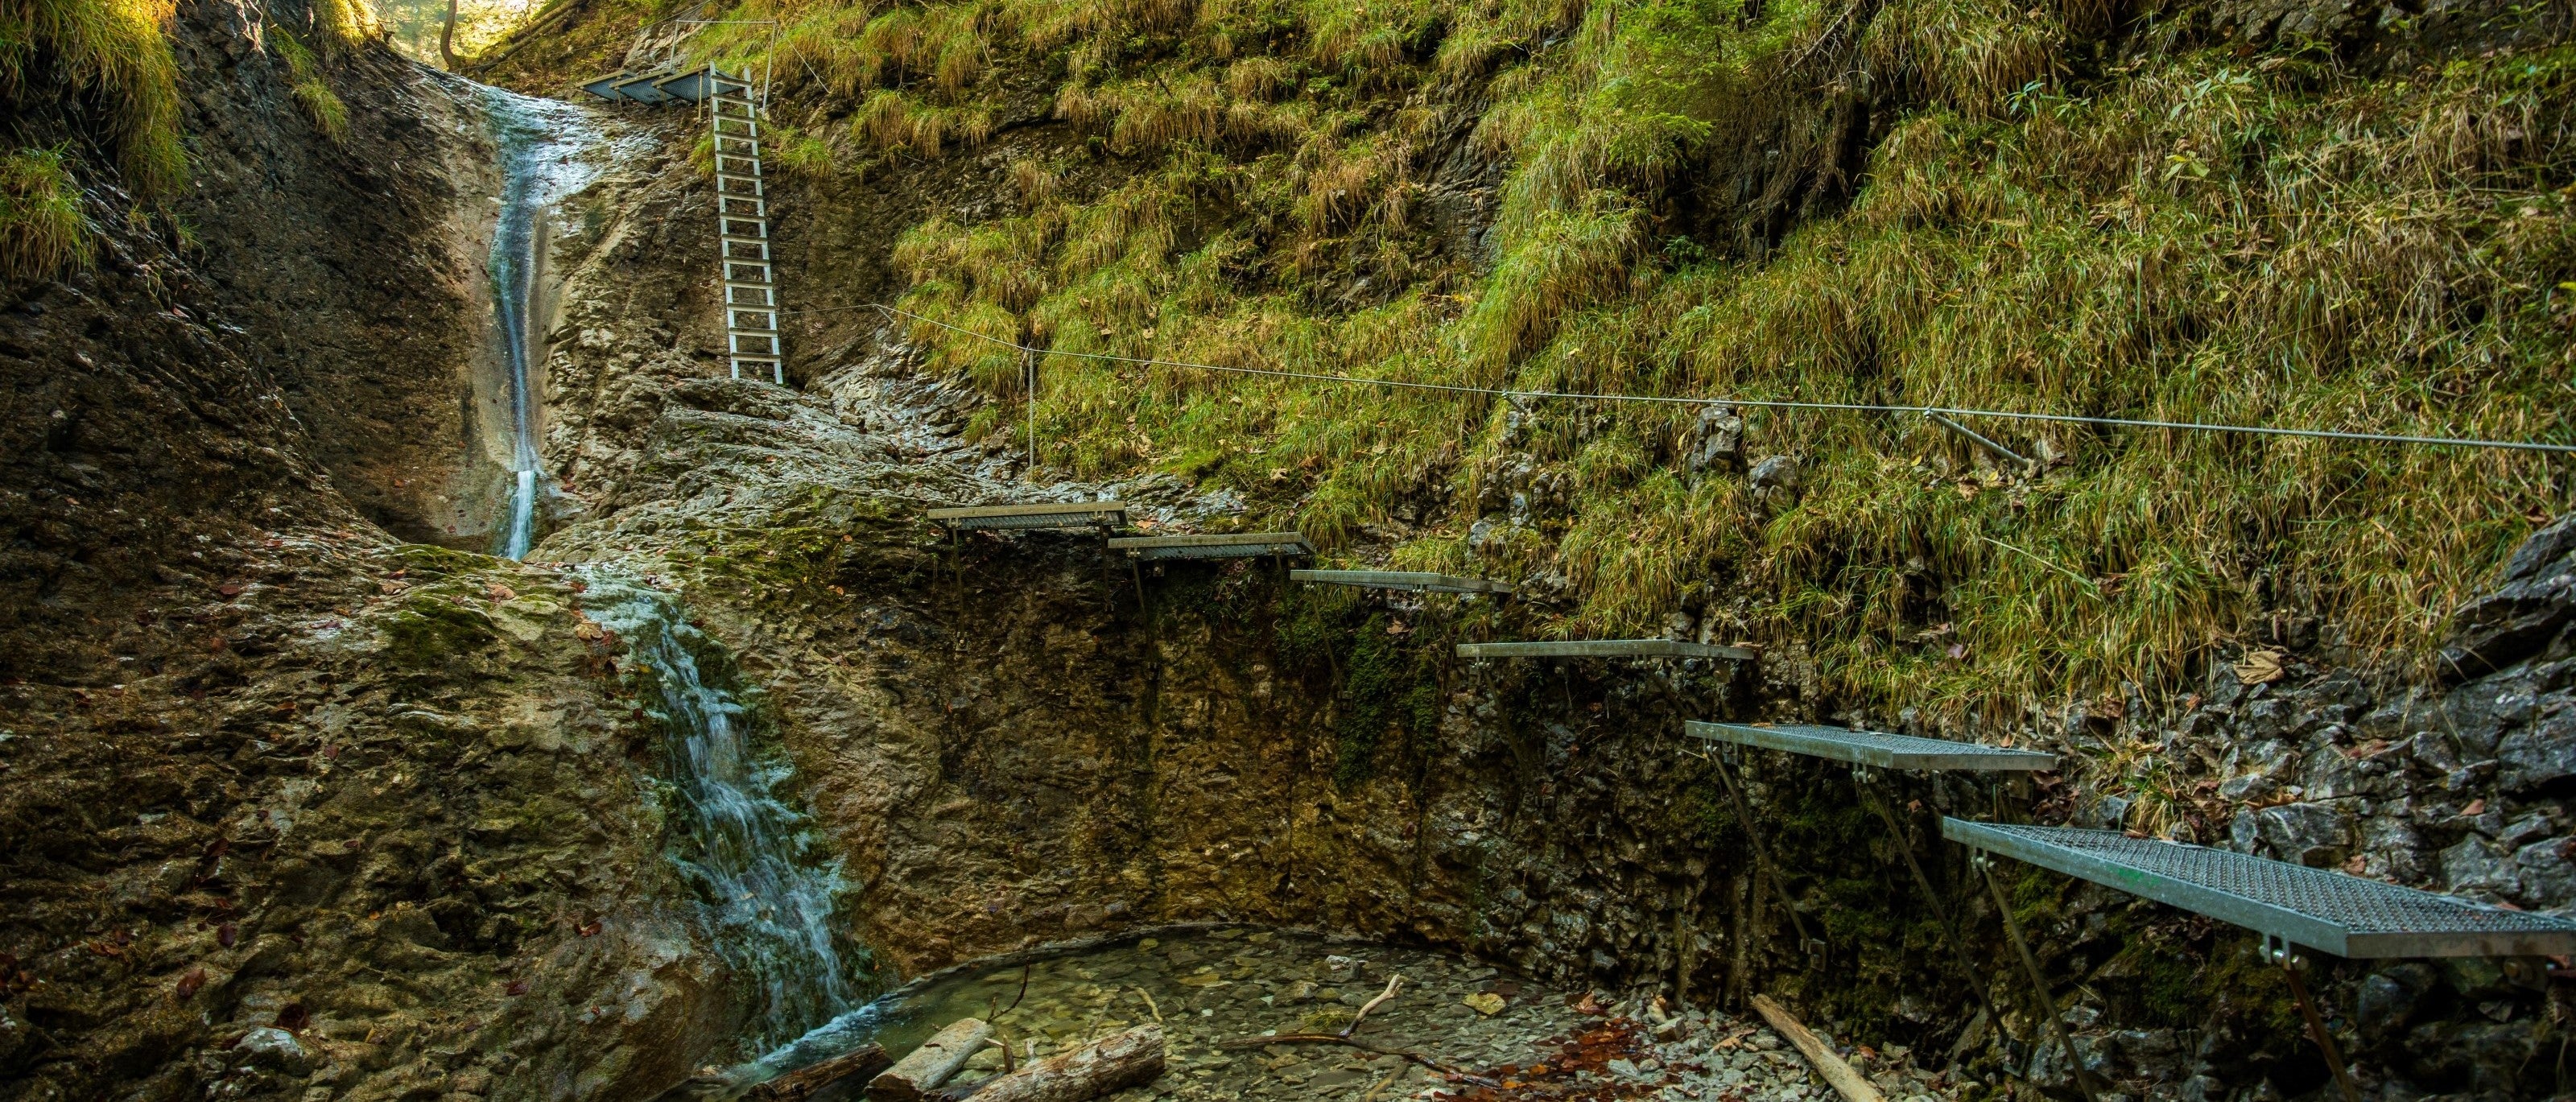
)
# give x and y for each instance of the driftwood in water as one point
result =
(858, 1063)
(1116, 1062)
(921, 1071)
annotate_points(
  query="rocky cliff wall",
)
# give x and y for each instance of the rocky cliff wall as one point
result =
(287, 805)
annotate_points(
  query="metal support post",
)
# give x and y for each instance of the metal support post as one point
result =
(2038, 981)
(2291, 965)
(1808, 943)
(1877, 799)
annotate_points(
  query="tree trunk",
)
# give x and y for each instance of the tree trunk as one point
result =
(1126, 1059)
(925, 1068)
(857, 1063)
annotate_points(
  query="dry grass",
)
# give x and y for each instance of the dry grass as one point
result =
(2196, 237)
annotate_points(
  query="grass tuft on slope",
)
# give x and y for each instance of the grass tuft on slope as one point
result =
(122, 49)
(42, 229)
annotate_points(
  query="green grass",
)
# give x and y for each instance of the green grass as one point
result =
(2193, 236)
(42, 229)
(320, 104)
(120, 48)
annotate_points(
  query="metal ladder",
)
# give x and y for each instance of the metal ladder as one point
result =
(742, 228)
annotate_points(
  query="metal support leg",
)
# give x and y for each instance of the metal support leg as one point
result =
(2038, 981)
(2291, 965)
(1762, 853)
(1878, 801)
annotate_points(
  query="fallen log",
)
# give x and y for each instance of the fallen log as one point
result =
(1116, 1062)
(922, 1070)
(858, 1063)
(1831, 1066)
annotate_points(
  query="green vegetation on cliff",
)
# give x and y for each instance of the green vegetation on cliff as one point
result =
(118, 48)
(1909, 202)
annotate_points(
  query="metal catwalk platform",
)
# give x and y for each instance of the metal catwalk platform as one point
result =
(1873, 748)
(2327, 911)
(1397, 579)
(1245, 545)
(1070, 514)
(1603, 648)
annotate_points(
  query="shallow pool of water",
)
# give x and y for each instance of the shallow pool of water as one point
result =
(1211, 986)
(1217, 992)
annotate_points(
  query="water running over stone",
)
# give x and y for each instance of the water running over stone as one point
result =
(767, 896)
(540, 142)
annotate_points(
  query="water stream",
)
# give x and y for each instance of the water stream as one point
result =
(767, 894)
(541, 142)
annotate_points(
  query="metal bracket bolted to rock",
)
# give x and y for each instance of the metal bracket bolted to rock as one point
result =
(1116, 1062)
(921, 1071)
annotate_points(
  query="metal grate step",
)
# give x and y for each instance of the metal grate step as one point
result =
(1069, 514)
(2326, 911)
(1239, 546)
(1399, 579)
(1873, 748)
(1602, 648)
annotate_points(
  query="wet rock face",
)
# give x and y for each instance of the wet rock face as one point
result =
(284, 809)
(379, 838)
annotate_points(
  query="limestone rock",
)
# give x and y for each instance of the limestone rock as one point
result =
(2536, 602)
(1716, 440)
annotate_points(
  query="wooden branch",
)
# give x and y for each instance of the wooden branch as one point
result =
(1832, 1067)
(1389, 993)
(858, 1063)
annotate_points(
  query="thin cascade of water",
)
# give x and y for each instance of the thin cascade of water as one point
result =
(540, 143)
(767, 899)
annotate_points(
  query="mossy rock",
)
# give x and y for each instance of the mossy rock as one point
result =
(428, 630)
(430, 559)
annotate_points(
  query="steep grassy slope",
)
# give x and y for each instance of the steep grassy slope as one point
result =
(2178, 211)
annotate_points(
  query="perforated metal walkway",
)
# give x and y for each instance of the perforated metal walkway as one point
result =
(2326, 911)
(1245, 545)
(1603, 648)
(1398, 579)
(1872, 748)
(1070, 514)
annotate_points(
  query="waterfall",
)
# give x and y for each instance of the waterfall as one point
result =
(766, 895)
(540, 143)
